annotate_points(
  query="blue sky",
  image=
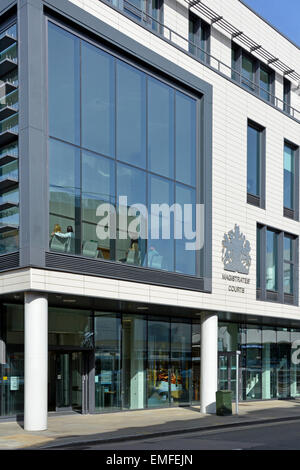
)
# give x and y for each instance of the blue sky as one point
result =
(283, 14)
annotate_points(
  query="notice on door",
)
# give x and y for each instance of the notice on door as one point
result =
(14, 383)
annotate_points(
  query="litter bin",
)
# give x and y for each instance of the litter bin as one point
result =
(224, 402)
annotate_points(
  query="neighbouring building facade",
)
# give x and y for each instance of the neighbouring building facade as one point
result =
(111, 113)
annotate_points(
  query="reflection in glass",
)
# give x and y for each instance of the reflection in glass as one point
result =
(180, 374)
(64, 179)
(107, 361)
(289, 177)
(64, 85)
(98, 99)
(265, 84)
(185, 133)
(134, 353)
(283, 363)
(131, 116)
(160, 128)
(98, 187)
(248, 73)
(288, 265)
(131, 230)
(196, 363)
(68, 327)
(253, 161)
(253, 377)
(158, 363)
(271, 261)
(186, 225)
(269, 360)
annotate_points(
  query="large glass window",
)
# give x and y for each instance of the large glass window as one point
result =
(254, 155)
(248, 71)
(289, 177)
(199, 33)
(272, 261)
(64, 85)
(122, 133)
(265, 84)
(107, 361)
(180, 362)
(288, 264)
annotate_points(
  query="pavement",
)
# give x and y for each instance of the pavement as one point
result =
(73, 428)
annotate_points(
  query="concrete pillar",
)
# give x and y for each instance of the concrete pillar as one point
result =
(36, 362)
(209, 362)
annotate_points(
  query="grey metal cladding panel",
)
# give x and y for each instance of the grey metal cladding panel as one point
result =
(77, 264)
(9, 261)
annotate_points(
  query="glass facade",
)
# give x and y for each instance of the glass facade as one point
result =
(140, 361)
(9, 167)
(289, 177)
(119, 137)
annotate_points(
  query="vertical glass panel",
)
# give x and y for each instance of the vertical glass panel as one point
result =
(155, 12)
(160, 128)
(64, 85)
(248, 73)
(98, 187)
(289, 177)
(253, 389)
(134, 353)
(288, 265)
(286, 95)
(64, 178)
(158, 363)
(131, 244)
(228, 337)
(107, 362)
(265, 84)
(283, 363)
(180, 376)
(269, 358)
(271, 261)
(186, 226)
(63, 392)
(160, 254)
(11, 360)
(295, 363)
(131, 115)
(98, 97)
(185, 139)
(258, 257)
(196, 362)
(69, 327)
(253, 161)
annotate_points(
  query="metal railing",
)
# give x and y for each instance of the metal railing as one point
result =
(194, 50)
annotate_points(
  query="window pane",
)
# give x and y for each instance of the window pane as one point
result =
(253, 161)
(186, 225)
(98, 187)
(98, 96)
(265, 84)
(64, 175)
(271, 261)
(131, 115)
(269, 359)
(64, 88)
(248, 73)
(107, 362)
(180, 362)
(258, 257)
(288, 249)
(289, 176)
(160, 128)
(288, 278)
(185, 139)
(131, 248)
(253, 382)
(158, 363)
(160, 254)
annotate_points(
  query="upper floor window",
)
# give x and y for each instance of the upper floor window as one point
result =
(255, 164)
(199, 37)
(149, 12)
(276, 257)
(286, 95)
(290, 181)
(252, 74)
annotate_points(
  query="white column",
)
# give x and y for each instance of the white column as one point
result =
(209, 362)
(36, 362)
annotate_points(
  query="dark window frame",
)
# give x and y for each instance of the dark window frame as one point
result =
(279, 296)
(238, 53)
(201, 29)
(258, 201)
(287, 212)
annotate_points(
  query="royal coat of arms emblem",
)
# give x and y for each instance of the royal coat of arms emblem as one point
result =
(236, 251)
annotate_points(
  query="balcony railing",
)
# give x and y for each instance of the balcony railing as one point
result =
(149, 22)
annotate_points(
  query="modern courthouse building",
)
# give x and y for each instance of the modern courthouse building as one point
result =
(192, 105)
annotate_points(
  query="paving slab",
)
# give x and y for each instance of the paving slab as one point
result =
(124, 425)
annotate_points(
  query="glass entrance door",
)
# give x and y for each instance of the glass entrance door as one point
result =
(227, 373)
(67, 381)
